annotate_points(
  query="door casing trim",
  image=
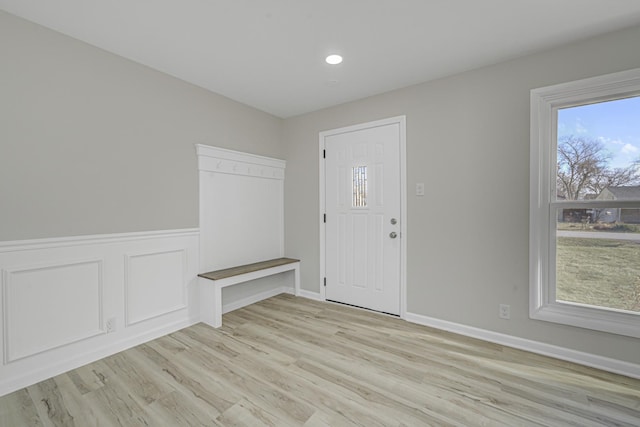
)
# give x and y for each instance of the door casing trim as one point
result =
(402, 122)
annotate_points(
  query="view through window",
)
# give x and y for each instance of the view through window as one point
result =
(597, 209)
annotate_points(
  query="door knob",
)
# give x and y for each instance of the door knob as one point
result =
(393, 234)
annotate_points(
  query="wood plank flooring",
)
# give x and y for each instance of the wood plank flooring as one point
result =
(289, 361)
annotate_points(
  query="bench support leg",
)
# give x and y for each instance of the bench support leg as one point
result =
(217, 304)
(210, 303)
(296, 280)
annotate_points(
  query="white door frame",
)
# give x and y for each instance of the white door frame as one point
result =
(401, 121)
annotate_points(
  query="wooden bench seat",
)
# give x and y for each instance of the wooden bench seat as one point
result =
(211, 289)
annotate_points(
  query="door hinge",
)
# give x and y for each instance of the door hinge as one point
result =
(325, 282)
(324, 218)
(324, 154)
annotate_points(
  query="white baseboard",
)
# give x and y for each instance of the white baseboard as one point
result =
(606, 364)
(65, 365)
(310, 295)
(226, 308)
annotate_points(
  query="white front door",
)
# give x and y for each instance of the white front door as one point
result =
(362, 230)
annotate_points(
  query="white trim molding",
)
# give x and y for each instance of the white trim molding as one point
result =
(58, 365)
(61, 242)
(599, 362)
(221, 160)
(310, 295)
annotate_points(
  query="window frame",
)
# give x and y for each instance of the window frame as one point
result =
(545, 103)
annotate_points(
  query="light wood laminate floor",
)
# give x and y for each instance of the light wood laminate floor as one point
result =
(290, 361)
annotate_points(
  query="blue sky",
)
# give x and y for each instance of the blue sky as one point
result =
(615, 123)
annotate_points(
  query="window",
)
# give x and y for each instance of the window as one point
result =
(585, 203)
(360, 187)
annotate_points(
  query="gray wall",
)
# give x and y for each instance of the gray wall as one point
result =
(468, 140)
(92, 143)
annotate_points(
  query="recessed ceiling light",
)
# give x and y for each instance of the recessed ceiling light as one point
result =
(333, 59)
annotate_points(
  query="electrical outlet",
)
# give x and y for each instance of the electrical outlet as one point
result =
(420, 189)
(111, 325)
(504, 311)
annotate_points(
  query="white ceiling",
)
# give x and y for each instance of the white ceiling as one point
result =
(270, 53)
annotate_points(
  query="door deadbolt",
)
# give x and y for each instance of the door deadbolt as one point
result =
(394, 221)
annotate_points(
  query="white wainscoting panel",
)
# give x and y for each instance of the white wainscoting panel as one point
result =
(155, 284)
(59, 294)
(50, 306)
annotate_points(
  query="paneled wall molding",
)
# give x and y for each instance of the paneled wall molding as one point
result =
(214, 159)
(150, 284)
(23, 337)
(70, 301)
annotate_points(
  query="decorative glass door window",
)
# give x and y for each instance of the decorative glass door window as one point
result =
(360, 187)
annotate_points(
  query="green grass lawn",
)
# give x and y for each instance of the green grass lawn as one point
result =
(599, 272)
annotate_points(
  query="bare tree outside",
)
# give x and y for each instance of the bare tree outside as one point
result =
(598, 245)
(583, 169)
